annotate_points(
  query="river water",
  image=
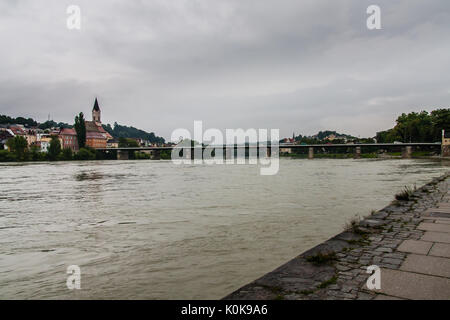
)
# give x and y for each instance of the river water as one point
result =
(156, 230)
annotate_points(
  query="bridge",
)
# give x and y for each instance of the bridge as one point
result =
(406, 149)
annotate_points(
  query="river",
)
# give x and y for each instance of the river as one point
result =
(156, 230)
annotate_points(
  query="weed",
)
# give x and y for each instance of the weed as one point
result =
(327, 282)
(322, 258)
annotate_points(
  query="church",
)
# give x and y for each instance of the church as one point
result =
(96, 135)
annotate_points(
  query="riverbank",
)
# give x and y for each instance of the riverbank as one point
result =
(409, 240)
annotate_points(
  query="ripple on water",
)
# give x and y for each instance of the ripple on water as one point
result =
(145, 229)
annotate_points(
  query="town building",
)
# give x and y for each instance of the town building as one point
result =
(96, 135)
(68, 138)
(5, 135)
(112, 143)
(44, 142)
(31, 137)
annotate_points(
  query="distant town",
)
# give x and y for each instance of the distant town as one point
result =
(23, 139)
(26, 139)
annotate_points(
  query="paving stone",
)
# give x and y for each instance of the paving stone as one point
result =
(414, 246)
(392, 261)
(384, 249)
(434, 227)
(435, 266)
(440, 250)
(410, 285)
(436, 237)
(395, 255)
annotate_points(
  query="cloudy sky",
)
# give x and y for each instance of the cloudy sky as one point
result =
(297, 65)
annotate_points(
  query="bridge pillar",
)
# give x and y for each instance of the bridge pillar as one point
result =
(156, 155)
(187, 153)
(357, 152)
(122, 154)
(229, 153)
(406, 152)
(445, 146)
(310, 153)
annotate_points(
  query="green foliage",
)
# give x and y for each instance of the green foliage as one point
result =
(141, 155)
(18, 145)
(52, 124)
(128, 143)
(37, 155)
(328, 282)
(67, 154)
(417, 127)
(120, 131)
(6, 156)
(80, 128)
(19, 120)
(85, 154)
(165, 155)
(321, 135)
(405, 194)
(54, 149)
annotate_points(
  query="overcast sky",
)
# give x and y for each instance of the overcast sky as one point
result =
(297, 65)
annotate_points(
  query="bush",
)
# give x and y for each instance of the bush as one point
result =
(141, 155)
(6, 156)
(405, 194)
(54, 149)
(85, 154)
(67, 154)
(18, 145)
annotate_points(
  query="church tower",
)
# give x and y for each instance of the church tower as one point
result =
(96, 113)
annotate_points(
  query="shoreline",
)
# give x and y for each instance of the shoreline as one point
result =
(337, 268)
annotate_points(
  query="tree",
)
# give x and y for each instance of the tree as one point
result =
(67, 154)
(19, 146)
(440, 118)
(128, 143)
(80, 128)
(84, 154)
(54, 149)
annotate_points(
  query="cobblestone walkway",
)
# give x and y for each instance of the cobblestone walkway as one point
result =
(409, 240)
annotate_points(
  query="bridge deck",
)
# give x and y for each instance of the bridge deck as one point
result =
(281, 145)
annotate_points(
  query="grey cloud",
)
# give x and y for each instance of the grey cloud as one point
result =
(299, 66)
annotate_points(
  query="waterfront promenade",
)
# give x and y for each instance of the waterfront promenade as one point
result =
(408, 240)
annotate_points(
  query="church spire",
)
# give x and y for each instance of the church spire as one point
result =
(96, 107)
(96, 112)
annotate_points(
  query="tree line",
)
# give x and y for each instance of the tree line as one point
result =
(417, 127)
(117, 130)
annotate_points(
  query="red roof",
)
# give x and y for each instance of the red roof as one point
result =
(94, 135)
(68, 132)
(17, 130)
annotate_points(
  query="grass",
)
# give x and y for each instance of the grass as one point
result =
(359, 242)
(405, 194)
(322, 258)
(353, 226)
(327, 282)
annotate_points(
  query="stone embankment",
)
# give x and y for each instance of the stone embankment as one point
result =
(409, 241)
